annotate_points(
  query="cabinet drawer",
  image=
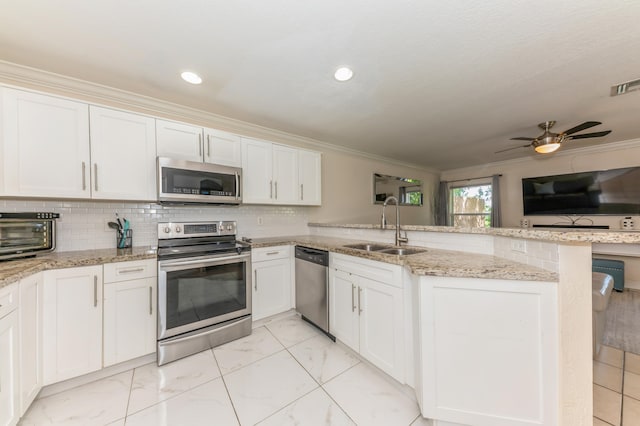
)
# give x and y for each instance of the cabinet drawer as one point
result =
(125, 271)
(386, 273)
(8, 299)
(270, 253)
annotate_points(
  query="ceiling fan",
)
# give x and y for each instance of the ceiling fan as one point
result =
(549, 142)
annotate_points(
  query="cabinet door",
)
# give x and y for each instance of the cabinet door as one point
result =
(343, 308)
(285, 175)
(30, 339)
(271, 288)
(257, 168)
(179, 141)
(9, 368)
(381, 331)
(123, 155)
(72, 331)
(223, 148)
(310, 178)
(45, 146)
(129, 320)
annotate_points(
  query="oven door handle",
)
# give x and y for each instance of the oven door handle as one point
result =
(203, 262)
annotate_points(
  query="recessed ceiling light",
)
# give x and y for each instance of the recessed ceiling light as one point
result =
(191, 77)
(343, 74)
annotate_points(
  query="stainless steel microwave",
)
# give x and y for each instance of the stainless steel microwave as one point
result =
(186, 182)
(27, 234)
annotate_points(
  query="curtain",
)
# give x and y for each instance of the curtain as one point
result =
(442, 205)
(496, 213)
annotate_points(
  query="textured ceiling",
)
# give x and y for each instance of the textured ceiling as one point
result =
(437, 83)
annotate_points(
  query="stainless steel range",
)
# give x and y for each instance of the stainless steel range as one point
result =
(204, 287)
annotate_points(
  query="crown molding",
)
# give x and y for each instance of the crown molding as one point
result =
(22, 76)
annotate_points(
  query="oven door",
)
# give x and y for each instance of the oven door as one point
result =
(199, 292)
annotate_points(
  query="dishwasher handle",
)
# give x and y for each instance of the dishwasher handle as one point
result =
(319, 257)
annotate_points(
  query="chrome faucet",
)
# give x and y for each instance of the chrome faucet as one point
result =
(399, 239)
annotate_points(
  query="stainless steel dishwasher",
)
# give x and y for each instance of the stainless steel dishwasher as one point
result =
(312, 286)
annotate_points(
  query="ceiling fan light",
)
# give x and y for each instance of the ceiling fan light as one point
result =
(547, 148)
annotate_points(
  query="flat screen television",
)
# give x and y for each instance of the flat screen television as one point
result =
(604, 192)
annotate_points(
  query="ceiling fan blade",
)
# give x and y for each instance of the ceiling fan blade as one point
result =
(515, 147)
(522, 138)
(580, 127)
(591, 135)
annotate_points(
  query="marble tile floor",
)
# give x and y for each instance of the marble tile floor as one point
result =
(616, 388)
(284, 373)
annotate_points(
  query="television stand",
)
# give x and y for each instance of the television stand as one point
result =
(573, 226)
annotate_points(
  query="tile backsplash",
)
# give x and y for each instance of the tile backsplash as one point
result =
(83, 224)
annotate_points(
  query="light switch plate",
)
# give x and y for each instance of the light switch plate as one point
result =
(519, 245)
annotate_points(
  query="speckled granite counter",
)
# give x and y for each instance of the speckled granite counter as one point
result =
(14, 270)
(542, 234)
(443, 263)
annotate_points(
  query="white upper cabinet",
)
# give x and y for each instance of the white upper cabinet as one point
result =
(279, 174)
(185, 142)
(222, 148)
(310, 177)
(44, 149)
(123, 152)
(179, 141)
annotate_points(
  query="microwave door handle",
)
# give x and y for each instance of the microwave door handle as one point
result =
(237, 185)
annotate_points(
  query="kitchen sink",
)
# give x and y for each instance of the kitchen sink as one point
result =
(367, 247)
(402, 251)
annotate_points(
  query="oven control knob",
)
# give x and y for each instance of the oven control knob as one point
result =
(167, 230)
(229, 227)
(178, 229)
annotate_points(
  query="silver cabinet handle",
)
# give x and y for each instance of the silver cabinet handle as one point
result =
(271, 253)
(95, 172)
(359, 303)
(353, 298)
(84, 176)
(128, 271)
(255, 280)
(200, 145)
(150, 300)
(208, 146)
(276, 190)
(270, 189)
(95, 291)
(302, 191)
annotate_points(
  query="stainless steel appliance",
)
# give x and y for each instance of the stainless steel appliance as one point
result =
(27, 234)
(204, 287)
(312, 286)
(183, 182)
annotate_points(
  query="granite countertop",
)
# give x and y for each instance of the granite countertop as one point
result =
(434, 262)
(14, 270)
(559, 235)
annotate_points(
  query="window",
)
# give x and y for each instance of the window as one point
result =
(471, 206)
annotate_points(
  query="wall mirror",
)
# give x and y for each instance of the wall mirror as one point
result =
(407, 191)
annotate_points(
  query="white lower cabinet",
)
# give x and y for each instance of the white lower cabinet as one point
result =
(272, 283)
(129, 310)
(9, 356)
(31, 294)
(72, 326)
(366, 310)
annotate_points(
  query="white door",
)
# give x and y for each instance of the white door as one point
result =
(285, 175)
(30, 339)
(271, 288)
(179, 141)
(310, 178)
(257, 170)
(123, 155)
(9, 369)
(223, 148)
(129, 320)
(343, 308)
(45, 146)
(72, 331)
(381, 333)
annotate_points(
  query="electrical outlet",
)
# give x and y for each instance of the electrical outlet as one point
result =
(260, 221)
(519, 245)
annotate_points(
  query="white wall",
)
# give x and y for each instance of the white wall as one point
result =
(609, 156)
